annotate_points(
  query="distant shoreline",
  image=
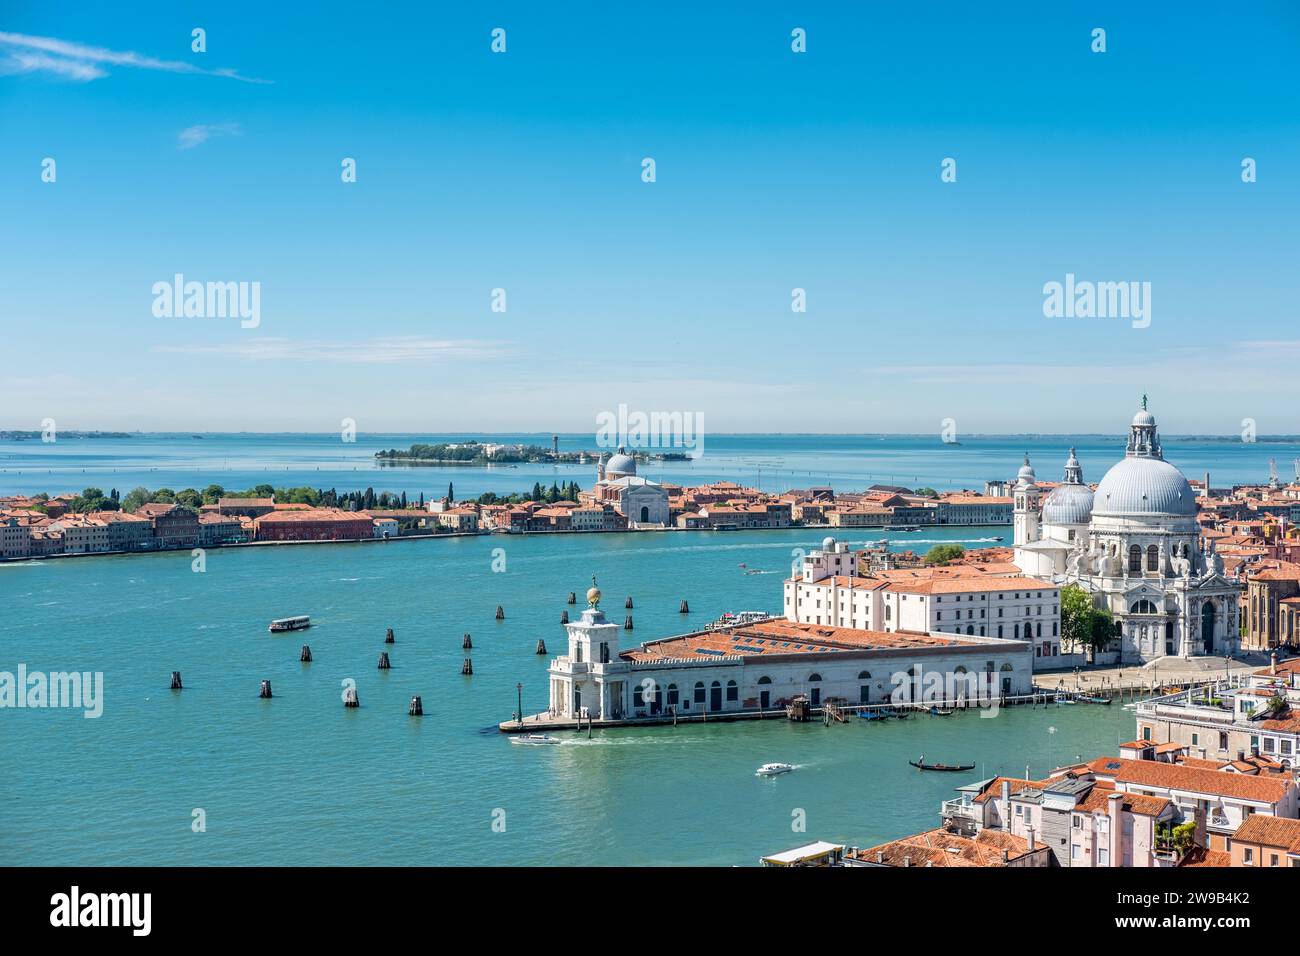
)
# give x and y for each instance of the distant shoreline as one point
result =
(33, 559)
(83, 434)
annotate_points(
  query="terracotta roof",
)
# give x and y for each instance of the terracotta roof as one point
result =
(1157, 774)
(779, 636)
(1199, 856)
(1098, 801)
(1269, 831)
(941, 848)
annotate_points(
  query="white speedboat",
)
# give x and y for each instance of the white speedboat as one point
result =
(534, 739)
(773, 769)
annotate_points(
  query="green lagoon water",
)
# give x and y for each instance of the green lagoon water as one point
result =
(301, 780)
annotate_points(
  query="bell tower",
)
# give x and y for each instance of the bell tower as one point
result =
(1025, 513)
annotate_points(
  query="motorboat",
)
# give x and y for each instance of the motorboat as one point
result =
(536, 739)
(773, 769)
(299, 623)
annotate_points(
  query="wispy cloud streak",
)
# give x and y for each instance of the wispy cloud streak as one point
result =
(23, 53)
(192, 136)
(382, 351)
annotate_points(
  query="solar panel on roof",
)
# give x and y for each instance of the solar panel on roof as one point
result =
(710, 651)
(1112, 765)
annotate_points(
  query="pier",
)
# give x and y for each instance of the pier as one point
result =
(831, 713)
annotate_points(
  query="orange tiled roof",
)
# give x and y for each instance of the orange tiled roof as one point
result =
(1152, 773)
(941, 848)
(1098, 801)
(1269, 831)
(780, 636)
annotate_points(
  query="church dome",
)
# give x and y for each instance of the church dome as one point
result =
(1068, 504)
(1144, 418)
(1144, 486)
(620, 466)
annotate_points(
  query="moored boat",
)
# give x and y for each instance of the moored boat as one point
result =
(299, 623)
(773, 769)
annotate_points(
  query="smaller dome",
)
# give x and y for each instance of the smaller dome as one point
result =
(1144, 417)
(828, 544)
(1068, 504)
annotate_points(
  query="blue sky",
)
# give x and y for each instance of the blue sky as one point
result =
(522, 171)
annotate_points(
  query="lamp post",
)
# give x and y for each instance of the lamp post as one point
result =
(519, 689)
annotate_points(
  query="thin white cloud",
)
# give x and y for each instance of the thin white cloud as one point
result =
(192, 136)
(79, 61)
(382, 351)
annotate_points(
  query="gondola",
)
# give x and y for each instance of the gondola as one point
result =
(921, 765)
(1094, 700)
(940, 712)
(872, 715)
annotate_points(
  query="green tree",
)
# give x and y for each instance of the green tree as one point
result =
(136, 497)
(927, 492)
(190, 498)
(1083, 624)
(451, 492)
(212, 494)
(943, 553)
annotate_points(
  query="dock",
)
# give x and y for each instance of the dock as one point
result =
(541, 723)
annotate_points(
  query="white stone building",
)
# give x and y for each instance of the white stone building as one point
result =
(975, 600)
(1135, 545)
(643, 502)
(764, 665)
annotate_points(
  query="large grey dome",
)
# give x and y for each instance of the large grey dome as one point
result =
(1144, 486)
(1068, 504)
(620, 465)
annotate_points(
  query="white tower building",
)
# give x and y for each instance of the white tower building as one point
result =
(1025, 513)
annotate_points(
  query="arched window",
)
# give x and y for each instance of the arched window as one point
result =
(999, 630)
(970, 629)
(865, 675)
(645, 513)
(1142, 607)
(815, 679)
(733, 692)
(765, 680)
(699, 692)
(1153, 558)
(1135, 558)
(1006, 667)
(672, 695)
(1017, 632)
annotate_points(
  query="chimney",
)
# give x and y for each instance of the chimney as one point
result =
(1006, 805)
(1114, 807)
(907, 861)
(1198, 836)
(1006, 857)
(880, 857)
(1033, 844)
(1207, 485)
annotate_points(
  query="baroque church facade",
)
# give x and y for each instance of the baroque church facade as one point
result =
(1135, 545)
